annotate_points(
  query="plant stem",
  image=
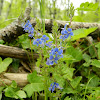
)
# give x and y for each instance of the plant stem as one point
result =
(70, 84)
(87, 85)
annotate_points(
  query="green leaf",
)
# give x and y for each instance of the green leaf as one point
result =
(67, 98)
(80, 33)
(86, 57)
(33, 78)
(68, 73)
(76, 81)
(9, 92)
(39, 61)
(24, 41)
(33, 87)
(15, 63)
(92, 52)
(75, 54)
(88, 6)
(13, 84)
(94, 82)
(96, 63)
(4, 64)
(1, 41)
(69, 90)
(98, 46)
(1, 89)
(20, 94)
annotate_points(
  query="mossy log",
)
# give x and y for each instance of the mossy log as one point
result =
(15, 52)
(15, 29)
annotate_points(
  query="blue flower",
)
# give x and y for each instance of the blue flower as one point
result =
(24, 26)
(37, 42)
(48, 62)
(44, 38)
(56, 52)
(64, 33)
(49, 44)
(28, 28)
(55, 55)
(53, 86)
(70, 32)
(30, 35)
(53, 59)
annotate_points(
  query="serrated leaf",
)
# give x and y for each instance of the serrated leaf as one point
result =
(86, 57)
(33, 87)
(69, 90)
(24, 41)
(88, 6)
(74, 53)
(92, 52)
(76, 81)
(9, 92)
(94, 82)
(13, 84)
(4, 64)
(80, 33)
(20, 94)
(33, 78)
(68, 73)
(96, 63)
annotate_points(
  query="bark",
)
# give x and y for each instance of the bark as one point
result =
(7, 78)
(15, 29)
(14, 52)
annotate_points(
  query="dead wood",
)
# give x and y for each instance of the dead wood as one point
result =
(15, 29)
(7, 78)
(15, 52)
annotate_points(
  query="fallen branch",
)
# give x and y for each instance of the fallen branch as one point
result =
(14, 52)
(15, 29)
(21, 79)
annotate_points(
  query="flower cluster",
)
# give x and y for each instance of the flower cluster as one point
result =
(53, 86)
(66, 33)
(29, 28)
(42, 41)
(55, 55)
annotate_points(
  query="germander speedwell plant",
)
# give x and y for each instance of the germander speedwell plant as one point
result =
(50, 51)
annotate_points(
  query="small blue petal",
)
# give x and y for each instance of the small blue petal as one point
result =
(51, 57)
(65, 26)
(30, 35)
(66, 36)
(69, 29)
(71, 33)
(51, 62)
(48, 62)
